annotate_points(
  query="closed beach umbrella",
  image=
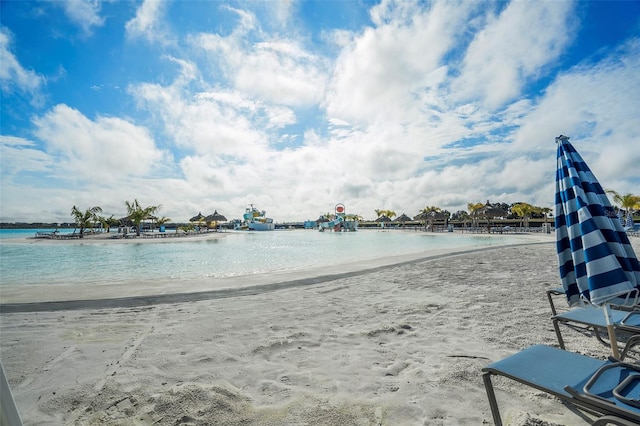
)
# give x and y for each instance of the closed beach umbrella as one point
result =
(596, 261)
(629, 220)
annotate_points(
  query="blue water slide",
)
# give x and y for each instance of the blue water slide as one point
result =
(332, 223)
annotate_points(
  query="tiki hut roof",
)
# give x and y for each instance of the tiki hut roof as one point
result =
(215, 217)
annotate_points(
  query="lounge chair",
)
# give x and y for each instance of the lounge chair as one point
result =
(592, 318)
(609, 391)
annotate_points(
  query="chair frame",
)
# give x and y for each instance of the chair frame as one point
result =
(559, 373)
(593, 318)
(554, 292)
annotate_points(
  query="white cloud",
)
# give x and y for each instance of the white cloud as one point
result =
(13, 76)
(397, 63)
(108, 149)
(282, 11)
(390, 104)
(208, 123)
(513, 48)
(18, 155)
(84, 13)
(428, 106)
(597, 105)
(148, 23)
(280, 72)
(276, 70)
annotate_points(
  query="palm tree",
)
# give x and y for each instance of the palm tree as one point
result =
(163, 220)
(545, 211)
(107, 222)
(462, 215)
(615, 194)
(474, 209)
(524, 210)
(85, 219)
(627, 202)
(430, 214)
(388, 213)
(430, 209)
(137, 213)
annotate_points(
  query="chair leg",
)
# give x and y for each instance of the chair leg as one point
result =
(493, 403)
(633, 340)
(596, 333)
(553, 306)
(558, 333)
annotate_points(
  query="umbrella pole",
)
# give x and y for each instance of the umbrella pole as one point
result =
(612, 332)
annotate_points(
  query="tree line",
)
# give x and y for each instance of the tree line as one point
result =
(627, 204)
(136, 213)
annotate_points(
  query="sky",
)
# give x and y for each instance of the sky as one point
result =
(296, 106)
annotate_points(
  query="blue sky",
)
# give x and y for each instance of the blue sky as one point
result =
(296, 106)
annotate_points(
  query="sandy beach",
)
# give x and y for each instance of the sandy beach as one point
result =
(380, 344)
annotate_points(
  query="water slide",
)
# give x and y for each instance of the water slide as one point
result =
(331, 224)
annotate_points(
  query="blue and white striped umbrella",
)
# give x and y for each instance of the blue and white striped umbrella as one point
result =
(597, 263)
(629, 220)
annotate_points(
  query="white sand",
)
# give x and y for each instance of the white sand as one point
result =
(402, 345)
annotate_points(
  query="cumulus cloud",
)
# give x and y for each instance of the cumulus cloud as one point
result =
(399, 63)
(402, 121)
(108, 149)
(148, 23)
(13, 76)
(596, 104)
(427, 104)
(19, 155)
(211, 122)
(84, 13)
(512, 49)
(281, 72)
(275, 70)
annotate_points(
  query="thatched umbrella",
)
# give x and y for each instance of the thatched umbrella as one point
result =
(402, 218)
(430, 217)
(490, 212)
(421, 216)
(126, 221)
(383, 218)
(215, 217)
(197, 218)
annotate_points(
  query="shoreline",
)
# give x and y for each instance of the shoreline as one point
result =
(401, 345)
(113, 238)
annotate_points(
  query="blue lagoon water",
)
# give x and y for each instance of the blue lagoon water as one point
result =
(234, 254)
